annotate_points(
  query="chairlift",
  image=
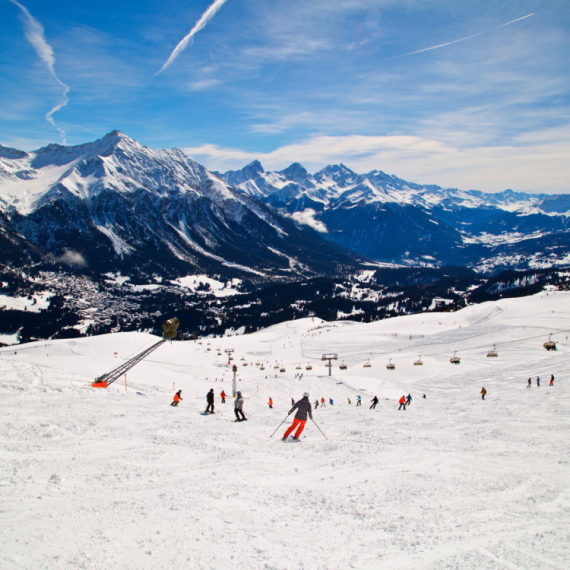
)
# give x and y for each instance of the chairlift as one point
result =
(367, 364)
(308, 367)
(298, 367)
(282, 370)
(455, 359)
(550, 344)
(493, 353)
(262, 367)
(343, 366)
(391, 365)
(419, 361)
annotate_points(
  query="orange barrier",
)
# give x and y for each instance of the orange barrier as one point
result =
(99, 384)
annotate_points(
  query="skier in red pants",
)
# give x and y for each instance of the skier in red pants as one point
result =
(304, 409)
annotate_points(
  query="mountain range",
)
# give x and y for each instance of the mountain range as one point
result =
(391, 220)
(115, 205)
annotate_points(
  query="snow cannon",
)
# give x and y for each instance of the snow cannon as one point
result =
(170, 327)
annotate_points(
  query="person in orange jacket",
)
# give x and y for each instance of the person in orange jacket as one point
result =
(483, 393)
(271, 403)
(402, 403)
(177, 398)
(223, 397)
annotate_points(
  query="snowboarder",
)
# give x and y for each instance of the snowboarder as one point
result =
(210, 400)
(238, 408)
(358, 401)
(483, 393)
(374, 402)
(303, 408)
(223, 397)
(177, 398)
(408, 399)
(323, 403)
(316, 403)
(528, 385)
(538, 380)
(271, 403)
(402, 403)
(552, 380)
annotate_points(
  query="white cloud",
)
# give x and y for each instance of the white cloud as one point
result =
(540, 166)
(307, 218)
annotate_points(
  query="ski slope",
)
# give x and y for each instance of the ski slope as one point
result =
(117, 478)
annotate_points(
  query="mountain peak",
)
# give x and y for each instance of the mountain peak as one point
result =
(8, 152)
(295, 171)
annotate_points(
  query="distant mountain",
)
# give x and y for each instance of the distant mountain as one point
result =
(391, 220)
(119, 206)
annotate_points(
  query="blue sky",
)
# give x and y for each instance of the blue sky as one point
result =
(313, 81)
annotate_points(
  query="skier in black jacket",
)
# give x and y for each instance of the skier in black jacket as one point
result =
(374, 402)
(304, 409)
(210, 400)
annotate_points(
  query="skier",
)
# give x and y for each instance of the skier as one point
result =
(349, 401)
(538, 380)
(177, 398)
(528, 385)
(358, 401)
(408, 399)
(402, 403)
(316, 403)
(323, 403)
(303, 407)
(210, 400)
(483, 393)
(424, 396)
(552, 380)
(331, 402)
(238, 408)
(223, 397)
(374, 402)
(271, 403)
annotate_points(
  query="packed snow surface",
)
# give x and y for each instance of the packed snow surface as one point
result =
(117, 478)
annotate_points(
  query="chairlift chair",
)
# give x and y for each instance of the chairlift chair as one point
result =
(550, 344)
(391, 365)
(455, 359)
(343, 366)
(492, 353)
(367, 364)
(419, 362)
(308, 367)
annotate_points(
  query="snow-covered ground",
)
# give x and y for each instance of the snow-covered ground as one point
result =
(117, 478)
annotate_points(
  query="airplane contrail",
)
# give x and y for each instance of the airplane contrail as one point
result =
(201, 23)
(34, 33)
(462, 39)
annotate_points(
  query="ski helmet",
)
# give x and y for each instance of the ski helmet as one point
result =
(306, 395)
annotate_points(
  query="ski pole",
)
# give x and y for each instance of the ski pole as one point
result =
(279, 426)
(319, 429)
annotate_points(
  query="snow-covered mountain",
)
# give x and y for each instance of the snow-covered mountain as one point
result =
(389, 219)
(119, 205)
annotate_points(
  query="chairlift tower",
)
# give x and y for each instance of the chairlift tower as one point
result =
(330, 357)
(229, 352)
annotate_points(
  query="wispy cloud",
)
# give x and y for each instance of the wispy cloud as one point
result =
(462, 39)
(200, 24)
(34, 33)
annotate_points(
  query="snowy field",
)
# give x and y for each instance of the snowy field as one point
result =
(117, 478)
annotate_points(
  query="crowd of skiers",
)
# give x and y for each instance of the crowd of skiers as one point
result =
(305, 409)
